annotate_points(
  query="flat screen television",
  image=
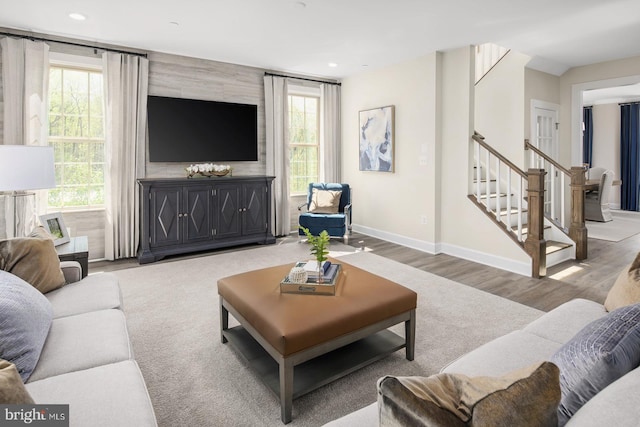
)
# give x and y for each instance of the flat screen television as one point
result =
(190, 130)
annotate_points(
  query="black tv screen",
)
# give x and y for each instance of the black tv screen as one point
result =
(190, 130)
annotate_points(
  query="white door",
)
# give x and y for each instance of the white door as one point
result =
(544, 130)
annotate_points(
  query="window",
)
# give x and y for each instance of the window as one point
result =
(304, 146)
(76, 133)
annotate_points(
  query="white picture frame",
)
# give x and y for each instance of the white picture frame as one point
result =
(54, 224)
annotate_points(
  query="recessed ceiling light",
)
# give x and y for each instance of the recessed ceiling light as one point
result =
(332, 64)
(77, 16)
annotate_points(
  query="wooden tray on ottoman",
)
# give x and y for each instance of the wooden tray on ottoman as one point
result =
(297, 343)
(328, 287)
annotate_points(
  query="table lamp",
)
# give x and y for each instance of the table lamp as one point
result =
(22, 168)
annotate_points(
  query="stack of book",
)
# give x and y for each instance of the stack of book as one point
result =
(329, 270)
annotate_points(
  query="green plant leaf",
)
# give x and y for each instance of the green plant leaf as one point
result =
(319, 243)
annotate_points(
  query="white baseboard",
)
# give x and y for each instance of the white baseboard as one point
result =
(409, 242)
(518, 267)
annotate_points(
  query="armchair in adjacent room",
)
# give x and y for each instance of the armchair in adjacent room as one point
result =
(328, 207)
(596, 202)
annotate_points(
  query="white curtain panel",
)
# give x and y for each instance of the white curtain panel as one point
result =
(126, 80)
(330, 133)
(277, 162)
(25, 77)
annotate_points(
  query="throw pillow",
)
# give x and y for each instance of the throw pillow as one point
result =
(40, 233)
(325, 201)
(34, 260)
(526, 397)
(603, 351)
(12, 391)
(626, 289)
(25, 319)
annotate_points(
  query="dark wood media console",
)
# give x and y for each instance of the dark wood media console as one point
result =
(181, 215)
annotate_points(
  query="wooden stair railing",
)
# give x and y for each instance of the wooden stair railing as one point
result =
(534, 244)
(575, 180)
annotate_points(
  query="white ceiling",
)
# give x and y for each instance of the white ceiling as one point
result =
(304, 36)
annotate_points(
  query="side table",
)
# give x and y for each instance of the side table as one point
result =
(76, 249)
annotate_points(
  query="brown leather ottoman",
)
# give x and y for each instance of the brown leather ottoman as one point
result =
(324, 337)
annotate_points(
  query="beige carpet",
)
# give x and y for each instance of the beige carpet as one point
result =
(194, 380)
(624, 224)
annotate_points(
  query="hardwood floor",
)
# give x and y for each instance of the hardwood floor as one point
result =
(590, 279)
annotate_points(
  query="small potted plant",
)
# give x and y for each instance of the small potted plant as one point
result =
(319, 245)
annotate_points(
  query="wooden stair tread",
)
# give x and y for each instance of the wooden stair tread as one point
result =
(525, 229)
(514, 211)
(493, 195)
(554, 246)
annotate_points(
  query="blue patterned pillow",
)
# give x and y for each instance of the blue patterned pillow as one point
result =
(25, 319)
(603, 351)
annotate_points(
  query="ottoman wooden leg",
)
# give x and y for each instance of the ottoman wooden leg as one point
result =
(410, 334)
(286, 389)
(224, 320)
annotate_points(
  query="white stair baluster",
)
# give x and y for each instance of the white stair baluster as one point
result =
(520, 188)
(488, 181)
(478, 172)
(497, 190)
(509, 200)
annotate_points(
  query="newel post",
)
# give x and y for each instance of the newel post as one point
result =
(535, 245)
(577, 229)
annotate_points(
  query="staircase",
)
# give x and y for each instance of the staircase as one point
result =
(515, 201)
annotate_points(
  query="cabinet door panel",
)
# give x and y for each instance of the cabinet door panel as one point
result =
(165, 224)
(229, 210)
(197, 216)
(254, 219)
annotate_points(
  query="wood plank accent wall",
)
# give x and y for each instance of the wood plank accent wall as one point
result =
(184, 77)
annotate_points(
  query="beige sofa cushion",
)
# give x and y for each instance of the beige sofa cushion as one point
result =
(626, 289)
(95, 292)
(84, 341)
(105, 396)
(526, 397)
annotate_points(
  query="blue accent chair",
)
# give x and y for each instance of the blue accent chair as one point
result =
(338, 224)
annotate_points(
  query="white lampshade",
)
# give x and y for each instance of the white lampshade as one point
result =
(26, 167)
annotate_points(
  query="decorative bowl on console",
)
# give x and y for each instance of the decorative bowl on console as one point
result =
(207, 170)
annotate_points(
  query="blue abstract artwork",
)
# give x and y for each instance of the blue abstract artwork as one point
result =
(376, 139)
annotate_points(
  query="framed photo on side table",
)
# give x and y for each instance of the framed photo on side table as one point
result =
(54, 224)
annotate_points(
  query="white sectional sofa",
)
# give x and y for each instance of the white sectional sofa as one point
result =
(616, 405)
(87, 360)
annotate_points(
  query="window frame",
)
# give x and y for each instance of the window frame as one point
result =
(88, 65)
(305, 92)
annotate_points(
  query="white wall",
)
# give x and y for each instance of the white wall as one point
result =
(606, 143)
(391, 205)
(434, 102)
(538, 86)
(499, 107)
(466, 231)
